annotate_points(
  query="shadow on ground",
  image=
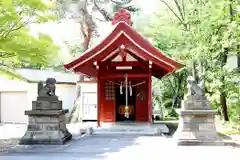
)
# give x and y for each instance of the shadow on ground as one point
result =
(172, 126)
(94, 146)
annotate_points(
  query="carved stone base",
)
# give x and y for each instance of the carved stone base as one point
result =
(197, 127)
(44, 138)
(46, 127)
(44, 105)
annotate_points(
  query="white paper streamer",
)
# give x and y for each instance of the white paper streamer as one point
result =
(121, 91)
(130, 88)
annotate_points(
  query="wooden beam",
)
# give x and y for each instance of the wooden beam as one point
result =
(98, 98)
(150, 95)
(113, 70)
(110, 57)
(133, 64)
(143, 63)
(161, 63)
(114, 76)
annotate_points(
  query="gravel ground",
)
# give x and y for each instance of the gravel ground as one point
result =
(10, 135)
(128, 147)
(9, 145)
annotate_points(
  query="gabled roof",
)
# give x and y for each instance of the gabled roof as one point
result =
(123, 35)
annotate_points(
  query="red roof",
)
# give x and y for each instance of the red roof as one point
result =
(124, 35)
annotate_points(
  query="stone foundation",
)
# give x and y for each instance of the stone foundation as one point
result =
(46, 129)
(46, 123)
(197, 123)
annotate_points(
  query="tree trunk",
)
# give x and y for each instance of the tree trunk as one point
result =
(74, 114)
(223, 103)
(223, 60)
(223, 97)
(86, 28)
(194, 71)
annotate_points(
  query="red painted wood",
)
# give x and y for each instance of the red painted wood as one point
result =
(99, 97)
(108, 108)
(134, 64)
(109, 60)
(101, 54)
(150, 96)
(108, 113)
(113, 70)
(159, 64)
(113, 76)
(143, 51)
(122, 15)
(150, 52)
(141, 104)
(102, 101)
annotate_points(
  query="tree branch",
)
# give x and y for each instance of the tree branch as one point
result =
(86, 26)
(103, 11)
(183, 7)
(6, 54)
(82, 31)
(176, 15)
(4, 64)
(121, 3)
(168, 6)
(179, 10)
(169, 80)
(12, 29)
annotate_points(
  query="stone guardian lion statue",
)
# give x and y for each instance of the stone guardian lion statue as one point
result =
(194, 88)
(48, 89)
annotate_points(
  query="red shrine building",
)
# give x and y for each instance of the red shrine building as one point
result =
(124, 63)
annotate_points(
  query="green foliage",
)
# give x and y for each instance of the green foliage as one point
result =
(126, 4)
(17, 46)
(234, 112)
(205, 32)
(172, 92)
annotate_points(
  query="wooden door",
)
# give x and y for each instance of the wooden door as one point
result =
(141, 104)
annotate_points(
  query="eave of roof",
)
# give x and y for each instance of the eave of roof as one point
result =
(140, 44)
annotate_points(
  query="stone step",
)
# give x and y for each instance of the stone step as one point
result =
(139, 130)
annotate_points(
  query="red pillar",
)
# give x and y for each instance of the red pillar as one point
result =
(99, 99)
(150, 94)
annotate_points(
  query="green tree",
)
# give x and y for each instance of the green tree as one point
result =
(202, 34)
(18, 48)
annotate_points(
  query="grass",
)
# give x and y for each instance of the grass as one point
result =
(226, 128)
(229, 132)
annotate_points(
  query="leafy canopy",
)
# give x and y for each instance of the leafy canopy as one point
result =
(17, 45)
(204, 31)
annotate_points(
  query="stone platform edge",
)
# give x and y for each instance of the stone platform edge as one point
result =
(62, 141)
(44, 113)
(200, 143)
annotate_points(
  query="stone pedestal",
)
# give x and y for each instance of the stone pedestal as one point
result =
(46, 122)
(197, 122)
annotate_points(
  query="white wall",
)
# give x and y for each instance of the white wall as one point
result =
(12, 85)
(65, 92)
(86, 87)
(13, 106)
(14, 103)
